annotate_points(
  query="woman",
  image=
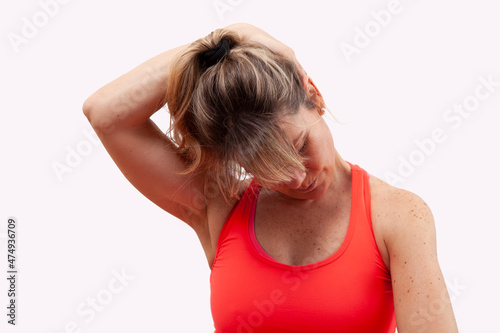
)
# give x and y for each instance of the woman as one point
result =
(307, 243)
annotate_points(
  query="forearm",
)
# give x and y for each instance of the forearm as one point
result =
(131, 99)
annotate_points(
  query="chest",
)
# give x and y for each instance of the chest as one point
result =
(294, 234)
(298, 234)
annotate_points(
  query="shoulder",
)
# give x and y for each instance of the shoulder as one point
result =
(407, 227)
(391, 202)
(398, 214)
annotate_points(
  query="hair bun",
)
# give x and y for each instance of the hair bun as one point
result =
(214, 55)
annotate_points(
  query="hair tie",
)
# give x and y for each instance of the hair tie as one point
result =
(214, 55)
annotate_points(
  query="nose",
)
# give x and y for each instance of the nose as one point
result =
(298, 178)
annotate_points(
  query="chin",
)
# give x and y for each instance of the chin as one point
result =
(315, 193)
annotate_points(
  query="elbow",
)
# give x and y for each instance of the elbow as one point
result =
(95, 114)
(87, 109)
(106, 115)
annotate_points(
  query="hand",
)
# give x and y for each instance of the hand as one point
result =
(251, 33)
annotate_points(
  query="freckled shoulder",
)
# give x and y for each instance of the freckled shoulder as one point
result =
(406, 226)
(391, 209)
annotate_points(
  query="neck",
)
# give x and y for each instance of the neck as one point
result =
(341, 174)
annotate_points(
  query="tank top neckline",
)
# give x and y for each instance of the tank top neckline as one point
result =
(257, 250)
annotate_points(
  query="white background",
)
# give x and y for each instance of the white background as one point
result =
(75, 230)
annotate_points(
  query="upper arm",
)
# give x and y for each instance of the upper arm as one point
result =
(147, 158)
(421, 299)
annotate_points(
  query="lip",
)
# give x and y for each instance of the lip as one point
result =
(310, 187)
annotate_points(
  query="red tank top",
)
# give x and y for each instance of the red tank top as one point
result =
(350, 291)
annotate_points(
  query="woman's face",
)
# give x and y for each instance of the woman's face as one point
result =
(312, 138)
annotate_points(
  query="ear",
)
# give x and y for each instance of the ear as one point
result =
(313, 92)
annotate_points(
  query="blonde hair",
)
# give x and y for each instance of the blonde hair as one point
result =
(225, 118)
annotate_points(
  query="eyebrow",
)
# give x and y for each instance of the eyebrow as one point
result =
(301, 134)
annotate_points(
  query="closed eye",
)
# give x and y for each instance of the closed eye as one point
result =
(303, 148)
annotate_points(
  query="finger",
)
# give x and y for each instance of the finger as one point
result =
(300, 69)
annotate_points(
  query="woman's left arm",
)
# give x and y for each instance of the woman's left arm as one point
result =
(421, 299)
